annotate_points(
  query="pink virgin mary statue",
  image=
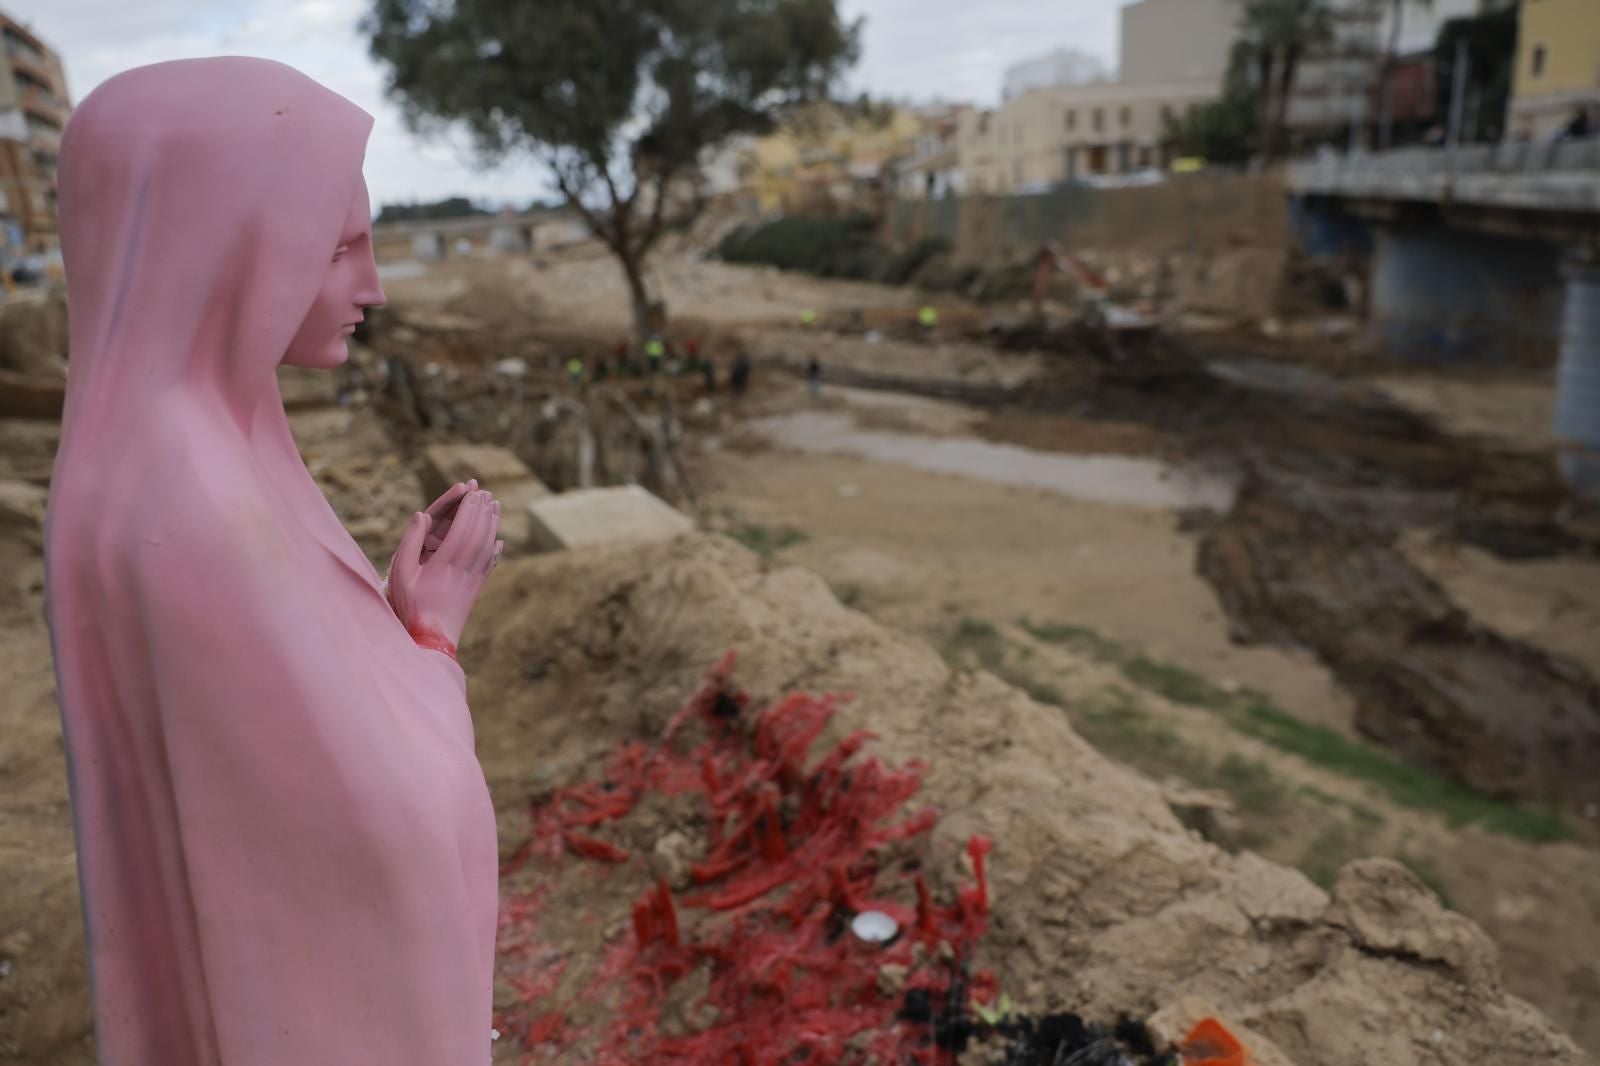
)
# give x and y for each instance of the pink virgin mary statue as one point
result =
(286, 847)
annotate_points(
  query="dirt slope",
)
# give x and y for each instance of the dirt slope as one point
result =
(1103, 902)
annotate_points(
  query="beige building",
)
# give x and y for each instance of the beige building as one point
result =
(1173, 53)
(1558, 66)
(33, 112)
(931, 170)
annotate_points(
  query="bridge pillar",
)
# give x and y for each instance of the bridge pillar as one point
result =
(510, 238)
(429, 245)
(1577, 421)
(1444, 296)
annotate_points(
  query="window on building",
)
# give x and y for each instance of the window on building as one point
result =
(1536, 61)
(1125, 118)
(1099, 120)
(1072, 119)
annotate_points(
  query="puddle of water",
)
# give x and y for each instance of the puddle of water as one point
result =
(1099, 478)
(404, 270)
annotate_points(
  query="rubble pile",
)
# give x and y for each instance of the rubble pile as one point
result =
(1100, 903)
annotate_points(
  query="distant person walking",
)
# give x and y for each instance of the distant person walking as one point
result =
(1580, 125)
(814, 377)
(739, 378)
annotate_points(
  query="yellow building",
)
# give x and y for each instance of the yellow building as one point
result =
(1558, 65)
(827, 158)
(33, 112)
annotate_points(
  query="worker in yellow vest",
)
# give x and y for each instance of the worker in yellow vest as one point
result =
(575, 370)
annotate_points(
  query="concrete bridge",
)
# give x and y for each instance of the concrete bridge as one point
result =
(432, 239)
(1487, 253)
(1541, 191)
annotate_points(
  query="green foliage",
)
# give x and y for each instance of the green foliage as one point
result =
(1254, 788)
(1406, 785)
(767, 542)
(1274, 35)
(830, 247)
(1324, 856)
(454, 207)
(1255, 715)
(1174, 682)
(622, 99)
(1222, 131)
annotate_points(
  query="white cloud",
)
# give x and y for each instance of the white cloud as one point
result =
(921, 49)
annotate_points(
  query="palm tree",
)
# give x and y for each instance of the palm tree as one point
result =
(1278, 34)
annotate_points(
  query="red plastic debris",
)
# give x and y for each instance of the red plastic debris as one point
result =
(1210, 1044)
(790, 855)
(591, 848)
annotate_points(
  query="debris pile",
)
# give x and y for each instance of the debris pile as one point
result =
(793, 852)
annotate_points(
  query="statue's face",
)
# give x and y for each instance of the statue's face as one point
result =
(349, 286)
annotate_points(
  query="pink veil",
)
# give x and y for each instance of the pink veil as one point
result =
(286, 847)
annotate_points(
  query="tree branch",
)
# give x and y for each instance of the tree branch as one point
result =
(568, 190)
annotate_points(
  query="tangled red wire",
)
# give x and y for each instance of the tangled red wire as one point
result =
(791, 854)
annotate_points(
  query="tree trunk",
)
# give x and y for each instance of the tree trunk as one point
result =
(1291, 60)
(1264, 102)
(1386, 74)
(633, 271)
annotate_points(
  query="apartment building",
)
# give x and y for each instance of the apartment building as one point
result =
(1172, 57)
(1557, 67)
(1336, 89)
(33, 111)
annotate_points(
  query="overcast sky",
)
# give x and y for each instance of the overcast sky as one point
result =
(917, 49)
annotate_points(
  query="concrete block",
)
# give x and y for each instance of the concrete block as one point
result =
(497, 469)
(602, 516)
(514, 501)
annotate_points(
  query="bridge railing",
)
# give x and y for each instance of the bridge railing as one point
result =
(1509, 157)
(1549, 176)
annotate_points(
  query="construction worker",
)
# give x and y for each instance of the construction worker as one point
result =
(808, 318)
(655, 351)
(575, 370)
(928, 317)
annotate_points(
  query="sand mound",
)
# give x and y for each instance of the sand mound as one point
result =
(1102, 903)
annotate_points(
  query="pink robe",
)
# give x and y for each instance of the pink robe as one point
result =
(285, 844)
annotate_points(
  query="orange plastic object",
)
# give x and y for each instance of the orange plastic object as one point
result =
(1210, 1044)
